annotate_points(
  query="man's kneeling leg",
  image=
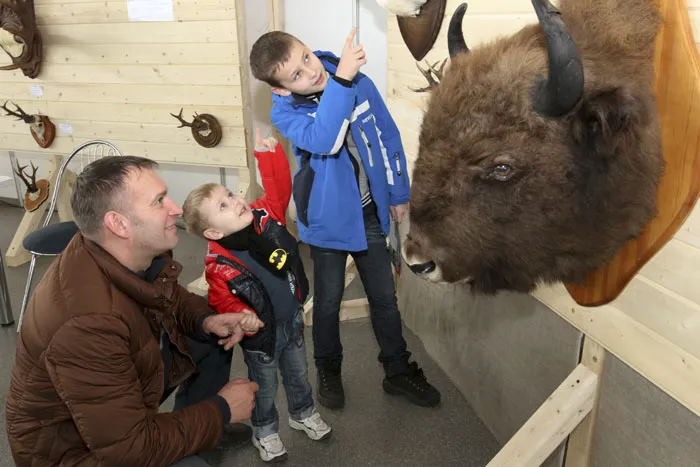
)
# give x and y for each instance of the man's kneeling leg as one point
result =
(213, 371)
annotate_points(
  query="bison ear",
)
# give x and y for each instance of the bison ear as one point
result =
(604, 117)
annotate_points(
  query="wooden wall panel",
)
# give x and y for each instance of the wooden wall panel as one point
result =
(118, 80)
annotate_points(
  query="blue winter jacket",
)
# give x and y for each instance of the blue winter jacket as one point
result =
(326, 193)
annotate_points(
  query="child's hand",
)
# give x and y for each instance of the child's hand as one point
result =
(250, 323)
(398, 212)
(269, 143)
(351, 60)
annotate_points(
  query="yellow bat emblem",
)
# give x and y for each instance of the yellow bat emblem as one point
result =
(278, 258)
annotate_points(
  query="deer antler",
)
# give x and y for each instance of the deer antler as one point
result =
(428, 75)
(19, 113)
(31, 186)
(183, 123)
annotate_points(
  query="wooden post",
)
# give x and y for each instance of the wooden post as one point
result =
(579, 447)
(552, 422)
(65, 212)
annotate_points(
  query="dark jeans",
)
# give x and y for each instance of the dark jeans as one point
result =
(290, 359)
(374, 266)
(213, 370)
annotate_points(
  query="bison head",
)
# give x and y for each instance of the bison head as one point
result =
(526, 172)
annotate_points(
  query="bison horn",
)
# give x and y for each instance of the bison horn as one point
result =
(455, 38)
(560, 92)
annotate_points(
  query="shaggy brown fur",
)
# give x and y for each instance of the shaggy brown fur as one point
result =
(572, 189)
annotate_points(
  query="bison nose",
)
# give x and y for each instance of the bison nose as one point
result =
(423, 268)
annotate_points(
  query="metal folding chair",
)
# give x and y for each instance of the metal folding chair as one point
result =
(50, 240)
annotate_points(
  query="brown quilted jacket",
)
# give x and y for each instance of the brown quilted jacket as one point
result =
(88, 374)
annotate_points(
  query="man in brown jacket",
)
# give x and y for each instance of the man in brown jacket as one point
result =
(105, 338)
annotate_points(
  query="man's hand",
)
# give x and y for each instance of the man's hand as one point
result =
(269, 143)
(227, 326)
(352, 58)
(398, 212)
(240, 396)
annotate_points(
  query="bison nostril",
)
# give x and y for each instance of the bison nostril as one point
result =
(423, 268)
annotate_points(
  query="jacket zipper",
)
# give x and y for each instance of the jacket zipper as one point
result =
(368, 145)
(396, 154)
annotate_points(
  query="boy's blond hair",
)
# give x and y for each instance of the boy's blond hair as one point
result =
(195, 222)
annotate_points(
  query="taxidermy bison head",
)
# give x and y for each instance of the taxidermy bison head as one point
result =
(539, 154)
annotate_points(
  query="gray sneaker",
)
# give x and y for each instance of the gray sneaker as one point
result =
(313, 425)
(271, 448)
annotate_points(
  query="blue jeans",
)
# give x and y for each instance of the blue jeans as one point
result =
(374, 266)
(290, 358)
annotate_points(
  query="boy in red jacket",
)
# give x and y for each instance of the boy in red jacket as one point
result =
(253, 266)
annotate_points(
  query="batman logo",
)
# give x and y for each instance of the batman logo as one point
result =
(278, 258)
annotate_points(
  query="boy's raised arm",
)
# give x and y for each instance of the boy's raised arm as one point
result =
(324, 132)
(276, 177)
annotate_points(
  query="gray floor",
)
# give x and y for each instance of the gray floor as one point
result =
(374, 429)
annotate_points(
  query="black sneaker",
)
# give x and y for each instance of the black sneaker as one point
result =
(330, 387)
(412, 384)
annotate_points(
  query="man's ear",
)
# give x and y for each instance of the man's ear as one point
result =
(281, 91)
(212, 234)
(118, 224)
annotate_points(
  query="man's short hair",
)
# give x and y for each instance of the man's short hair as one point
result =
(270, 52)
(195, 223)
(100, 188)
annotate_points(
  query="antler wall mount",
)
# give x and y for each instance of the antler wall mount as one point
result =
(20, 37)
(40, 126)
(431, 74)
(206, 129)
(37, 190)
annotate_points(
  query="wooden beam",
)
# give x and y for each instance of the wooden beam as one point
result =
(551, 423)
(659, 359)
(276, 15)
(579, 447)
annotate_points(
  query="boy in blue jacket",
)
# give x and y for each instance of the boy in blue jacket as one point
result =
(352, 177)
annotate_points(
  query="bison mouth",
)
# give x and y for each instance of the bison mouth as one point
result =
(428, 270)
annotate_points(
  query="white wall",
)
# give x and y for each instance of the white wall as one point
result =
(331, 24)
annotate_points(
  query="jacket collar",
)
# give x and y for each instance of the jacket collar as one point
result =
(147, 294)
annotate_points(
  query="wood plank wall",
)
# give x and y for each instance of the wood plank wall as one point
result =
(119, 80)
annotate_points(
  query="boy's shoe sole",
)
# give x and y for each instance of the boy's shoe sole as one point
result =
(396, 391)
(265, 457)
(312, 434)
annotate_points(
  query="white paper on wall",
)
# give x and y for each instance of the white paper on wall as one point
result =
(150, 10)
(65, 128)
(36, 91)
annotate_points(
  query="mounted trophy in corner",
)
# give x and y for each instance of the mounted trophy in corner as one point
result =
(19, 36)
(40, 126)
(37, 190)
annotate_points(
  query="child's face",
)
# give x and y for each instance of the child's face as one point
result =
(225, 213)
(303, 73)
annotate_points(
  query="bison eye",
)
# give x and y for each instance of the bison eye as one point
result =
(502, 172)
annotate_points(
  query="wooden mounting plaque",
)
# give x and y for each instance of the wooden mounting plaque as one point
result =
(677, 86)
